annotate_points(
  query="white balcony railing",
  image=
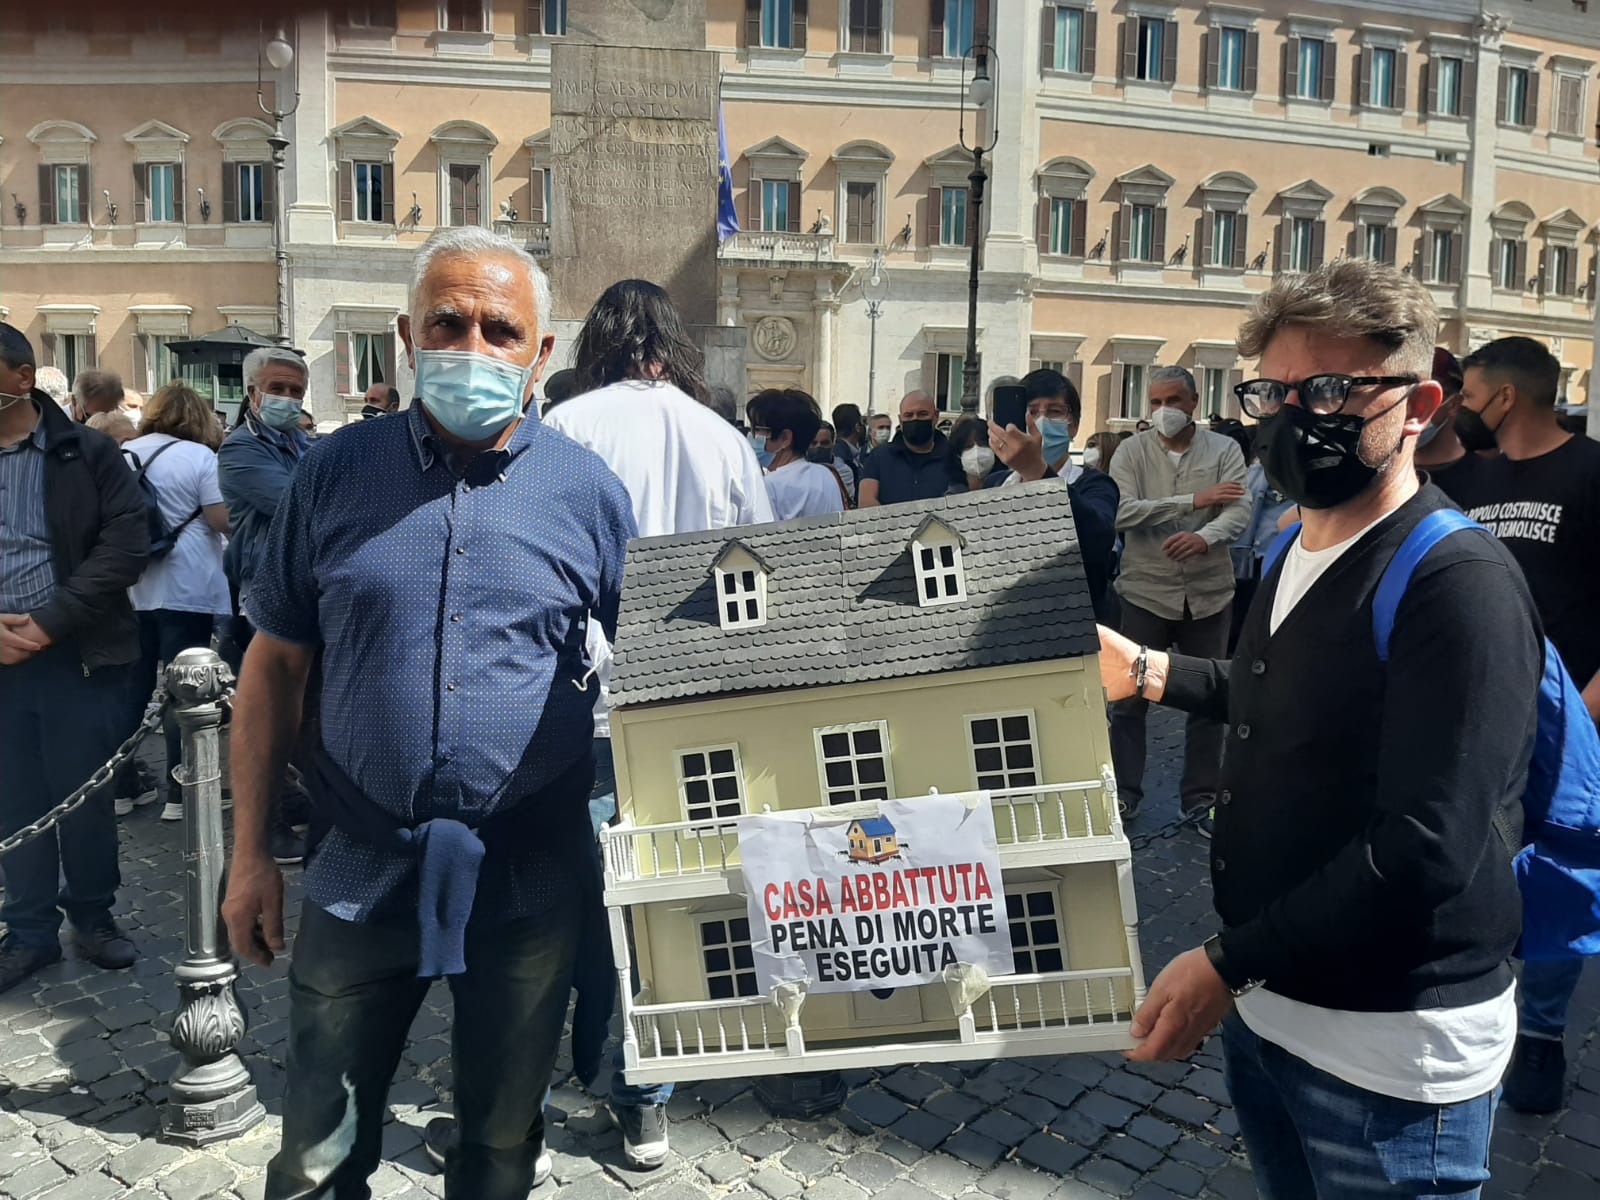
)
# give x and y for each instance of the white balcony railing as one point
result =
(534, 235)
(1033, 826)
(779, 247)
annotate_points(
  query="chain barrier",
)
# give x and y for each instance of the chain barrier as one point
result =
(153, 713)
(1171, 829)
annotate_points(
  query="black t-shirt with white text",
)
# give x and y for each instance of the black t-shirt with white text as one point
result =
(1547, 512)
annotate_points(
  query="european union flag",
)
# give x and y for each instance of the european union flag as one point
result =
(727, 214)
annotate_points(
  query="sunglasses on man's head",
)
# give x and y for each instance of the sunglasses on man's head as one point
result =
(1323, 395)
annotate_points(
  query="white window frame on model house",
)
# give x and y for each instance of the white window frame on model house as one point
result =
(748, 588)
(728, 918)
(855, 790)
(936, 559)
(1005, 776)
(707, 809)
(1021, 925)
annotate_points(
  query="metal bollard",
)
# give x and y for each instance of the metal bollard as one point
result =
(212, 1096)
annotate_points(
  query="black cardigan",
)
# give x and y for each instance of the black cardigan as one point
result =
(1355, 863)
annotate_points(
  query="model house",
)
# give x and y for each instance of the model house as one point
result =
(833, 663)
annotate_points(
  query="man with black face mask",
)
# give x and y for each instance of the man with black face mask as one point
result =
(911, 467)
(1541, 496)
(1367, 900)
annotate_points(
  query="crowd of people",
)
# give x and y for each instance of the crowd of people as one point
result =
(389, 593)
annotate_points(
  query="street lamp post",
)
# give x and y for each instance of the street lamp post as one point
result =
(875, 287)
(279, 54)
(980, 92)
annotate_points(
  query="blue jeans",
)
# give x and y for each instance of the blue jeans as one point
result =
(1311, 1136)
(353, 992)
(602, 810)
(60, 727)
(1546, 994)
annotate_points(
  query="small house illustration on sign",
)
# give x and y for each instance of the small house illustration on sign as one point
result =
(873, 840)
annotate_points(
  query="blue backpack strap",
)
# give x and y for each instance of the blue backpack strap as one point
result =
(1279, 544)
(1427, 534)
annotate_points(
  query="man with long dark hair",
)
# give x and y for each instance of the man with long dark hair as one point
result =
(634, 332)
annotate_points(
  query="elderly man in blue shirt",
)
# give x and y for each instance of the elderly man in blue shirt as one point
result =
(445, 565)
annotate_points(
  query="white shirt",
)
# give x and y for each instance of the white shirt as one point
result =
(804, 489)
(685, 468)
(190, 578)
(1433, 1055)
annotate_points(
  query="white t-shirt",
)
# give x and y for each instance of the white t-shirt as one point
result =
(685, 468)
(804, 489)
(1433, 1055)
(190, 578)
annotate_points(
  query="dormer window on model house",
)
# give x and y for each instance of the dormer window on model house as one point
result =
(936, 556)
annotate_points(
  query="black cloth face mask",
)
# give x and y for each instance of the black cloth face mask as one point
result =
(917, 432)
(1473, 431)
(1315, 460)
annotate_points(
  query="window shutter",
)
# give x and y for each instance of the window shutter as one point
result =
(1075, 373)
(869, 214)
(84, 192)
(1319, 237)
(1046, 212)
(794, 208)
(344, 364)
(1330, 70)
(1569, 284)
(930, 374)
(347, 190)
(1469, 86)
(1502, 109)
(1521, 266)
(47, 195)
(1210, 58)
(1047, 38)
(1206, 236)
(388, 180)
(535, 17)
(752, 22)
(1391, 245)
(1241, 239)
(230, 192)
(269, 193)
(1531, 117)
(474, 196)
(1285, 244)
(1457, 242)
(1128, 47)
(177, 193)
(1091, 32)
(935, 28)
(798, 11)
(51, 355)
(1169, 53)
(1158, 239)
(141, 192)
(935, 207)
(1124, 232)
(1402, 68)
(457, 196)
(1080, 225)
(1364, 79)
(1119, 383)
(389, 373)
(1564, 119)
(852, 214)
(1252, 60)
(536, 186)
(1430, 75)
(91, 348)
(1291, 67)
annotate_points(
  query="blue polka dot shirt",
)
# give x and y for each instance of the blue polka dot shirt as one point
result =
(451, 612)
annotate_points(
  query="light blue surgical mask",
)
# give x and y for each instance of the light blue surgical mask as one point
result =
(1057, 434)
(758, 443)
(279, 412)
(472, 395)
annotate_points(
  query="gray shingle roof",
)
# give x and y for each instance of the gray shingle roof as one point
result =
(842, 605)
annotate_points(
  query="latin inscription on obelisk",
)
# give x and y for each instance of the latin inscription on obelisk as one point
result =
(633, 135)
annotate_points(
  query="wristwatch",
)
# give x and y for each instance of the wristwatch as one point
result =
(1230, 977)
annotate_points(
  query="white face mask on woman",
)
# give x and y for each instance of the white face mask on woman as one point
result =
(1091, 456)
(977, 460)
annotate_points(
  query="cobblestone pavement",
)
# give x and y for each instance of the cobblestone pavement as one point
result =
(84, 1062)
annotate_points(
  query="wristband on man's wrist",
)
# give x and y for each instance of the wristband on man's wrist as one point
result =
(1140, 671)
(1231, 979)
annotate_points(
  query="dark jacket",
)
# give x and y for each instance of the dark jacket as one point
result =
(1356, 864)
(100, 540)
(254, 467)
(903, 475)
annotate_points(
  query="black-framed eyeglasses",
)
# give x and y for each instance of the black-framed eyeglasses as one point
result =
(1320, 394)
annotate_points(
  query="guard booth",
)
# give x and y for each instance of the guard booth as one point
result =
(216, 361)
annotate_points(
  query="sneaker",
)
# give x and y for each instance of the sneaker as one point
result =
(122, 805)
(172, 810)
(644, 1134)
(1538, 1072)
(105, 945)
(441, 1136)
(18, 960)
(288, 847)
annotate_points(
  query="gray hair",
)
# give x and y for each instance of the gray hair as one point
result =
(52, 381)
(262, 357)
(1173, 375)
(472, 241)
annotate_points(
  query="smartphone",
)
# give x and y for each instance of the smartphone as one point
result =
(1011, 405)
